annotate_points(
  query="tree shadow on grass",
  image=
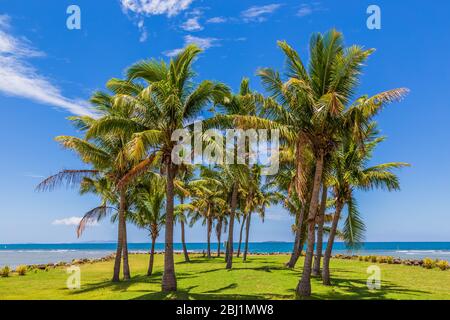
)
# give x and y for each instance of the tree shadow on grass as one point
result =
(347, 284)
(354, 289)
(186, 294)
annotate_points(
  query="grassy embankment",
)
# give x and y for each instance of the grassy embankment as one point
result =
(262, 277)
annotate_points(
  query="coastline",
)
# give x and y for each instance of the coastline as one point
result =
(378, 259)
(43, 254)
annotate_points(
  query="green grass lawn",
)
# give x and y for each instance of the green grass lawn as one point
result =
(261, 277)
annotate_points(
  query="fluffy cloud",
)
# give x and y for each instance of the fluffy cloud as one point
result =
(19, 78)
(192, 24)
(258, 13)
(72, 221)
(203, 43)
(156, 7)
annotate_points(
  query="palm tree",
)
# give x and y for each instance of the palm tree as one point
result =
(259, 197)
(221, 225)
(245, 104)
(148, 213)
(312, 108)
(206, 203)
(108, 154)
(169, 101)
(243, 217)
(231, 179)
(350, 171)
(186, 174)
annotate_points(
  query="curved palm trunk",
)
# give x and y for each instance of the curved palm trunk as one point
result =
(231, 227)
(126, 266)
(209, 228)
(152, 257)
(247, 232)
(318, 256)
(118, 258)
(326, 258)
(298, 245)
(183, 241)
(304, 286)
(169, 281)
(240, 236)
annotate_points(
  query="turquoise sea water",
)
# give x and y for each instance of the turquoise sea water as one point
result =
(15, 254)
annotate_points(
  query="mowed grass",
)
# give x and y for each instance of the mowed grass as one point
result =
(261, 277)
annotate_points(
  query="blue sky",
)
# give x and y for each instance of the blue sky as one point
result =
(47, 72)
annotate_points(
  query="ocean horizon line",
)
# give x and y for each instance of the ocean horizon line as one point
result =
(194, 242)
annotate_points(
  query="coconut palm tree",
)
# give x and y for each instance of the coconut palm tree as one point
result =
(108, 154)
(240, 217)
(312, 108)
(186, 175)
(350, 172)
(221, 225)
(259, 196)
(231, 179)
(168, 101)
(320, 229)
(148, 210)
(206, 202)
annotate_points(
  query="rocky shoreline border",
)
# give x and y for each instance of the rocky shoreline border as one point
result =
(427, 263)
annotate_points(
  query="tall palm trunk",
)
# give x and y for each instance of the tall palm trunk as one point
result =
(304, 286)
(118, 258)
(326, 259)
(240, 236)
(231, 227)
(169, 281)
(219, 234)
(296, 251)
(318, 256)
(227, 251)
(183, 236)
(247, 232)
(209, 228)
(152, 256)
(126, 266)
(183, 241)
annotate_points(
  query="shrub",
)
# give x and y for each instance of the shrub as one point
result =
(361, 258)
(21, 270)
(443, 265)
(428, 263)
(381, 259)
(4, 272)
(373, 259)
(390, 260)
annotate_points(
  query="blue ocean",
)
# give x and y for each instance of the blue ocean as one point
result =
(16, 254)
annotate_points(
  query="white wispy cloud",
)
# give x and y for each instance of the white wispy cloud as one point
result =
(145, 8)
(155, 7)
(308, 9)
(203, 43)
(192, 24)
(72, 221)
(19, 78)
(143, 31)
(259, 13)
(217, 20)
